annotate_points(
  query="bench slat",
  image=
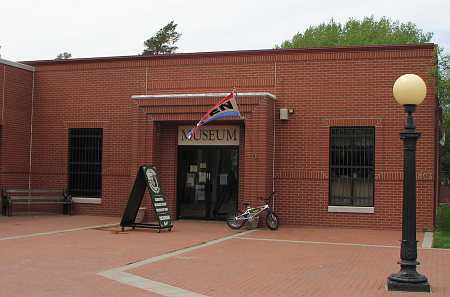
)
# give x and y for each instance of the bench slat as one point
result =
(15, 201)
(12, 197)
(37, 191)
(42, 202)
(36, 197)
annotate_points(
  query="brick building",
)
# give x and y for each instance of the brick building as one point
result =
(335, 158)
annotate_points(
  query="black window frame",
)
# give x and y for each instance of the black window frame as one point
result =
(350, 167)
(85, 162)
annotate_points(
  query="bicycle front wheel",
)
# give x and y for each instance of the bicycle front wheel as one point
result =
(272, 221)
(235, 222)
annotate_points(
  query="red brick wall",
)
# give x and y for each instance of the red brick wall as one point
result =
(326, 88)
(15, 108)
(351, 92)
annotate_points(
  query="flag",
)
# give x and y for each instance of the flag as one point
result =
(226, 107)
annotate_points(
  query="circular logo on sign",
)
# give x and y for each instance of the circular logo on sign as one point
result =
(152, 181)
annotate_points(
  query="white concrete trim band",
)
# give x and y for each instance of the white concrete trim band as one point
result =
(203, 95)
(17, 65)
(351, 209)
(427, 242)
(87, 200)
(121, 275)
(148, 284)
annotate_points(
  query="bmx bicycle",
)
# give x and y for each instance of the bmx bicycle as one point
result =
(251, 213)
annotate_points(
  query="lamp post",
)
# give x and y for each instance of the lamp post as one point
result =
(409, 90)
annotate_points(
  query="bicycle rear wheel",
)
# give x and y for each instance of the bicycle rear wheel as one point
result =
(272, 221)
(235, 223)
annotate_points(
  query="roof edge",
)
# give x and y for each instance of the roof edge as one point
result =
(241, 52)
(17, 65)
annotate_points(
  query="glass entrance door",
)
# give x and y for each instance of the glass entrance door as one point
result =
(207, 181)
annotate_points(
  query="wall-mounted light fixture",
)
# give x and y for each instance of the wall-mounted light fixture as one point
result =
(284, 113)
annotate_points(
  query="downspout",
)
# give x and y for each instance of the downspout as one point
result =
(146, 80)
(274, 138)
(437, 138)
(3, 112)
(437, 161)
(31, 133)
(3, 91)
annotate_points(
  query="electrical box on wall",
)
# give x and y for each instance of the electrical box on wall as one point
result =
(284, 114)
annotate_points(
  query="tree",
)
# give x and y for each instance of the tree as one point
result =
(443, 83)
(64, 56)
(443, 75)
(163, 41)
(367, 31)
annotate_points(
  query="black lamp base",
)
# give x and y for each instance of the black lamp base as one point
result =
(410, 281)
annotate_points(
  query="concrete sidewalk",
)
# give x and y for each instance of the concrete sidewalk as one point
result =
(62, 256)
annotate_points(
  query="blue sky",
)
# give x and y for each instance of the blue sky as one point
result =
(34, 30)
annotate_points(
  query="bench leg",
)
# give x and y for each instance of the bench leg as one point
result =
(67, 209)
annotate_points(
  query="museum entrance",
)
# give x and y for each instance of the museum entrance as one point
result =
(207, 181)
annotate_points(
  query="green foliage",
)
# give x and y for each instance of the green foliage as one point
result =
(442, 233)
(63, 56)
(443, 83)
(163, 42)
(367, 31)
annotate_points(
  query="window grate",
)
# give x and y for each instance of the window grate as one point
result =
(85, 161)
(352, 166)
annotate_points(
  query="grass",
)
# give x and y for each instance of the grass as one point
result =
(442, 233)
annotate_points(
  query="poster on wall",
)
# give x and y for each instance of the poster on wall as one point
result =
(190, 180)
(147, 179)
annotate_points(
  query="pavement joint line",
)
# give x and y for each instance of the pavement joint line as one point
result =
(427, 240)
(57, 232)
(338, 243)
(119, 274)
(318, 242)
(179, 252)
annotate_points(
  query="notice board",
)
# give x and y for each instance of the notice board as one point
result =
(147, 179)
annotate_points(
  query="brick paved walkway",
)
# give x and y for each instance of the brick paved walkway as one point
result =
(201, 259)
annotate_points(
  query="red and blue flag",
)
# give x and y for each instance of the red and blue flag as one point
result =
(226, 107)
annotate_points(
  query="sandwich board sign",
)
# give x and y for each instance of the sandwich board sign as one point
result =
(147, 179)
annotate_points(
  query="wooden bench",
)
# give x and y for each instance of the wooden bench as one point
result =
(12, 197)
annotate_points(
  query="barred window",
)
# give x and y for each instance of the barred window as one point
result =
(352, 166)
(85, 162)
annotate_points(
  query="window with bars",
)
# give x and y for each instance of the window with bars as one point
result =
(85, 162)
(352, 156)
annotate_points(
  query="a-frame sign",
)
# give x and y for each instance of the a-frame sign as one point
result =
(147, 178)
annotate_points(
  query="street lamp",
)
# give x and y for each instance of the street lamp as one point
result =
(409, 90)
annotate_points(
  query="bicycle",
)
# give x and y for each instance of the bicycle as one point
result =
(251, 213)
